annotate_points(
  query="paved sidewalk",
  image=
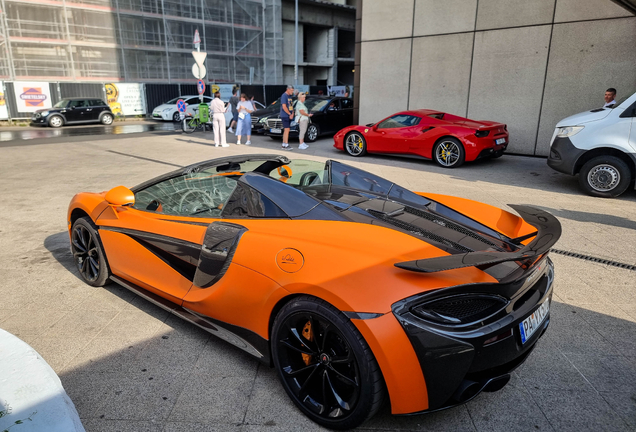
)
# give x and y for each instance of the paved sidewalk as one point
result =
(129, 366)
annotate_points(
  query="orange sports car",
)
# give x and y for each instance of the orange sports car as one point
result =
(354, 288)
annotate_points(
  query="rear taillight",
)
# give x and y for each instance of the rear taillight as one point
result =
(481, 134)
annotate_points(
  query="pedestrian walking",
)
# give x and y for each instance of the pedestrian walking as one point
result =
(234, 100)
(302, 117)
(286, 114)
(218, 120)
(244, 125)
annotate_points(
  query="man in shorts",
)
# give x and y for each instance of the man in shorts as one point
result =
(286, 114)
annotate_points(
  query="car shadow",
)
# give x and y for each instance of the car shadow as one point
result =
(60, 248)
(599, 218)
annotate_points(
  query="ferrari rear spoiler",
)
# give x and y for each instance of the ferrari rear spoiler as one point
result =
(548, 233)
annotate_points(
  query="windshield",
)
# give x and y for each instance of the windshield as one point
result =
(61, 104)
(623, 99)
(173, 101)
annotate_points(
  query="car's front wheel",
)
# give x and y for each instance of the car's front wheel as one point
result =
(312, 133)
(176, 117)
(106, 119)
(325, 365)
(88, 253)
(605, 176)
(449, 153)
(355, 144)
(56, 121)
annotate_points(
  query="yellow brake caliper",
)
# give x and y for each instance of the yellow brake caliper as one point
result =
(309, 335)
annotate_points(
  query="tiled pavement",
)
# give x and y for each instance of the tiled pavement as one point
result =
(130, 366)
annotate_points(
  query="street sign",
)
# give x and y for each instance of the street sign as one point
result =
(181, 105)
(199, 57)
(201, 87)
(198, 71)
(197, 40)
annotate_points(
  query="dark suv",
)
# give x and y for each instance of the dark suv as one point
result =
(74, 111)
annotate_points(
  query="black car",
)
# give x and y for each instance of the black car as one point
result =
(329, 116)
(74, 111)
(260, 117)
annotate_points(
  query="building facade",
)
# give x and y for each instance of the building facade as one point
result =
(140, 40)
(524, 63)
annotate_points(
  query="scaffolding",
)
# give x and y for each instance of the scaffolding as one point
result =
(140, 40)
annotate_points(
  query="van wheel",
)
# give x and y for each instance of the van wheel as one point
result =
(605, 177)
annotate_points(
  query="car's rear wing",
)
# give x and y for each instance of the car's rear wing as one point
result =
(548, 233)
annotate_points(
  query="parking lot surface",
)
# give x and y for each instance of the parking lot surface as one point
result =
(130, 366)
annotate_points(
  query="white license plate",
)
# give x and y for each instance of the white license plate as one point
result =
(531, 324)
(500, 141)
(275, 130)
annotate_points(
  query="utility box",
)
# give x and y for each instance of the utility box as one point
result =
(204, 113)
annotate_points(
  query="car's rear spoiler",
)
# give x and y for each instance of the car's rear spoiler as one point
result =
(548, 232)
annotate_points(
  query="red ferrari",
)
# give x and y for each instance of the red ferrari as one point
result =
(448, 139)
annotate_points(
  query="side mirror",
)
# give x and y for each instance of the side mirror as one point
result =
(120, 196)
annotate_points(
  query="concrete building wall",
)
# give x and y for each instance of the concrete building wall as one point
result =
(525, 63)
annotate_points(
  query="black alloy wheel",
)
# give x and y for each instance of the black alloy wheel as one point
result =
(88, 253)
(325, 365)
(312, 133)
(605, 176)
(355, 144)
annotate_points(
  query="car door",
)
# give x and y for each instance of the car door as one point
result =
(392, 135)
(346, 111)
(76, 111)
(156, 242)
(96, 106)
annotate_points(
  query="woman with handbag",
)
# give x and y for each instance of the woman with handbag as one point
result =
(302, 116)
(244, 125)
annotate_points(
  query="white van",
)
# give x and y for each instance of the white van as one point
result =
(599, 145)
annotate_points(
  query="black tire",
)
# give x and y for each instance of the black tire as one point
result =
(325, 365)
(56, 121)
(189, 125)
(313, 132)
(449, 152)
(88, 253)
(176, 117)
(605, 177)
(355, 144)
(106, 119)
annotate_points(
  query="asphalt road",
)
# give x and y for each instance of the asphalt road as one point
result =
(129, 366)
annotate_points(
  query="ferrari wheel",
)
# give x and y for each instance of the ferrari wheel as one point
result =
(605, 177)
(312, 133)
(325, 365)
(449, 153)
(355, 144)
(88, 253)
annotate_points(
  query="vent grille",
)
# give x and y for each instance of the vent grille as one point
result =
(419, 231)
(275, 123)
(461, 310)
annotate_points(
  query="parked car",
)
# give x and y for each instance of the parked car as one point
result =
(260, 117)
(168, 111)
(74, 111)
(355, 289)
(329, 116)
(448, 139)
(600, 146)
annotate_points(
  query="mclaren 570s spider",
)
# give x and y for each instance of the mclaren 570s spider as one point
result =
(355, 289)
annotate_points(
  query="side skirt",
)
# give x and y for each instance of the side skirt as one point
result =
(238, 336)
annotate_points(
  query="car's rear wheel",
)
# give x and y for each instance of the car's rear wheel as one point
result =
(56, 121)
(106, 119)
(312, 133)
(355, 144)
(88, 252)
(325, 365)
(449, 152)
(605, 177)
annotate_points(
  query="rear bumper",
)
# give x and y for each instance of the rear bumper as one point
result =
(478, 148)
(458, 364)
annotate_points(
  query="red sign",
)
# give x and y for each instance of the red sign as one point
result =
(197, 39)
(201, 87)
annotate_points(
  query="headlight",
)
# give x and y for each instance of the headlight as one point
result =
(44, 113)
(568, 131)
(263, 120)
(293, 123)
(166, 110)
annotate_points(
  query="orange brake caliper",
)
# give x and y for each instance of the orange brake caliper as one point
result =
(309, 335)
